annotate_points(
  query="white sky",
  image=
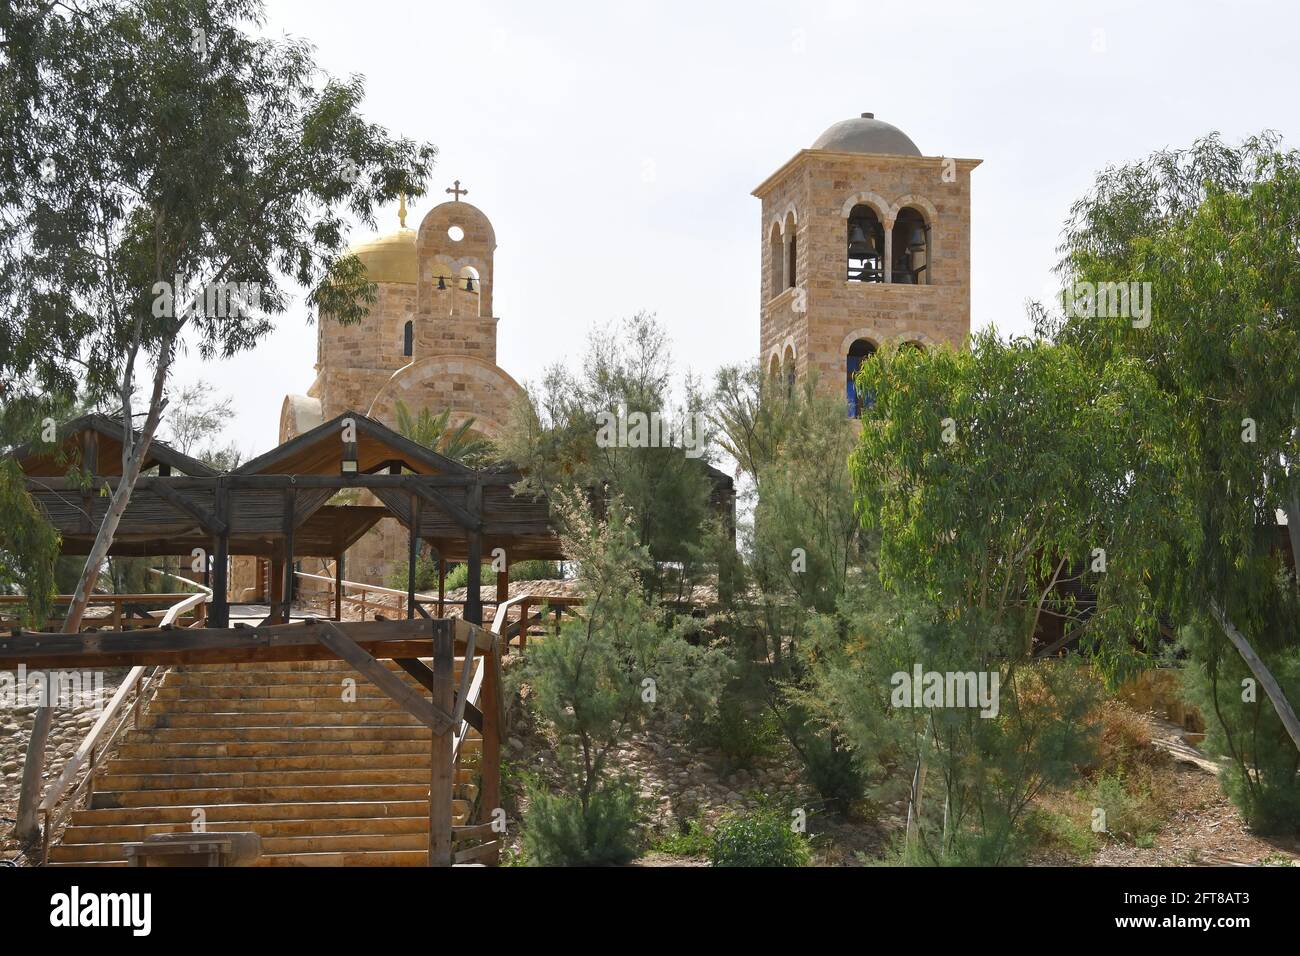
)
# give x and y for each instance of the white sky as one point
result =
(614, 145)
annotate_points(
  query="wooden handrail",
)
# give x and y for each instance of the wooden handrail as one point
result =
(96, 740)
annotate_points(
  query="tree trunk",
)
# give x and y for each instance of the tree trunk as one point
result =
(27, 829)
(1261, 672)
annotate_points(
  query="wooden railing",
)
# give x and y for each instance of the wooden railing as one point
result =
(127, 611)
(374, 597)
(132, 695)
(527, 619)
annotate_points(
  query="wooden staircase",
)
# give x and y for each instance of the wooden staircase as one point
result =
(273, 748)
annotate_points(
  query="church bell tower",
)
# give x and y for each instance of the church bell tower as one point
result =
(865, 241)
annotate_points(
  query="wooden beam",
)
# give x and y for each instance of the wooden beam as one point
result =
(290, 506)
(417, 669)
(440, 501)
(216, 645)
(438, 719)
(206, 519)
(473, 595)
(219, 613)
(412, 555)
(338, 586)
(442, 775)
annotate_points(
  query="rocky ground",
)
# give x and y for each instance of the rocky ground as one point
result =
(69, 729)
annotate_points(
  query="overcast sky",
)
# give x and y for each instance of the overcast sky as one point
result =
(614, 145)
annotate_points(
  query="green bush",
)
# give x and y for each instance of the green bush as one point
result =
(759, 838)
(1131, 813)
(557, 833)
(743, 730)
(691, 840)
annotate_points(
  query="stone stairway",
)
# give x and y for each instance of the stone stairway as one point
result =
(276, 749)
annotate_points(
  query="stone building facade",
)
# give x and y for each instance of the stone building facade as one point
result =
(430, 341)
(865, 241)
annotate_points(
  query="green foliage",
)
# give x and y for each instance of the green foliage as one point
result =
(1131, 813)
(693, 839)
(28, 546)
(1213, 230)
(230, 159)
(435, 432)
(743, 729)
(761, 837)
(1261, 779)
(984, 770)
(610, 667)
(931, 472)
(562, 830)
(802, 548)
(557, 435)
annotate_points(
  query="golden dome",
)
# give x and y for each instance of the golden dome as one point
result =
(390, 258)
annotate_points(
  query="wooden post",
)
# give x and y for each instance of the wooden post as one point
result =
(473, 593)
(503, 586)
(412, 556)
(490, 705)
(277, 588)
(290, 506)
(338, 587)
(442, 585)
(441, 773)
(220, 616)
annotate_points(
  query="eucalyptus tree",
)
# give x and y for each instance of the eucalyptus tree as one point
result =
(1004, 476)
(1211, 237)
(166, 175)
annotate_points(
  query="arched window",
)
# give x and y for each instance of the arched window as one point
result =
(791, 252)
(866, 259)
(788, 366)
(408, 338)
(911, 249)
(774, 368)
(859, 352)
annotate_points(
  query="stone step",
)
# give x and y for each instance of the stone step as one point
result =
(216, 718)
(201, 797)
(248, 681)
(272, 749)
(381, 858)
(268, 763)
(333, 702)
(81, 852)
(134, 833)
(113, 783)
(273, 667)
(235, 812)
(306, 734)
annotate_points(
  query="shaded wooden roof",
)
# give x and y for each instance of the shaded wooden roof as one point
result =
(320, 452)
(102, 437)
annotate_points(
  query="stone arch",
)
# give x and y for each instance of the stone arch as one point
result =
(917, 202)
(868, 198)
(789, 229)
(872, 335)
(467, 385)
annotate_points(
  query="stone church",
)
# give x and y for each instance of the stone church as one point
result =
(865, 241)
(430, 341)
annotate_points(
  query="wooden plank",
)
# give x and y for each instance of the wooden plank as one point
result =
(442, 775)
(277, 642)
(481, 853)
(490, 729)
(417, 669)
(333, 637)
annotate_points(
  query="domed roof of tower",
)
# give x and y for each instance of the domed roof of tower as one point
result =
(389, 258)
(866, 134)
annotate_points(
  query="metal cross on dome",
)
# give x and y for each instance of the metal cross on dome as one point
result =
(458, 192)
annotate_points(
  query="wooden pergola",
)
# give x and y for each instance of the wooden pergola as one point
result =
(277, 506)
